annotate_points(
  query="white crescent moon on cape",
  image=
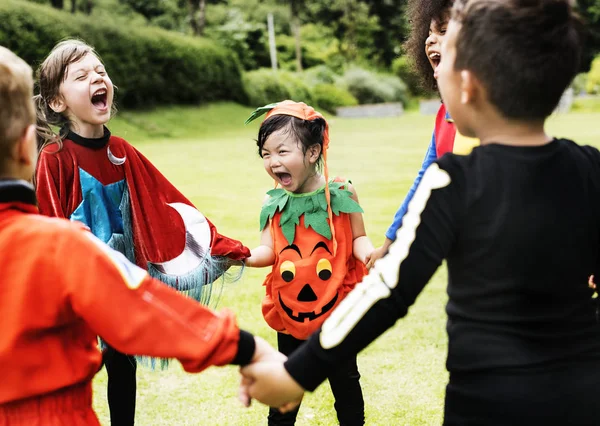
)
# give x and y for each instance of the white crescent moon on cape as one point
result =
(115, 160)
(197, 242)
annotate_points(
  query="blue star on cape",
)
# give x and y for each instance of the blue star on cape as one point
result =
(99, 208)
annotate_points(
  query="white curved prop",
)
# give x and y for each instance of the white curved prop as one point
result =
(197, 242)
(115, 160)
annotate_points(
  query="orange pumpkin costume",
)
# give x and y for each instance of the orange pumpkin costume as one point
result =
(309, 278)
(62, 287)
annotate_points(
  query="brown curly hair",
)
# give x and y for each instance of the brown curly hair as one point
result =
(420, 15)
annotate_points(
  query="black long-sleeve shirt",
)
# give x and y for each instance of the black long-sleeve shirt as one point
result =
(520, 229)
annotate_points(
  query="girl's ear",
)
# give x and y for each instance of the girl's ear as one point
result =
(314, 153)
(58, 104)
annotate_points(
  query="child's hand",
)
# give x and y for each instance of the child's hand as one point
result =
(368, 262)
(270, 383)
(591, 282)
(262, 353)
(378, 253)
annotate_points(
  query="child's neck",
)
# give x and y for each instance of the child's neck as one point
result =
(514, 133)
(311, 184)
(88, 131)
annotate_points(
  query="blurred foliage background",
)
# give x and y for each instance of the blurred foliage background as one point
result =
(329, 52)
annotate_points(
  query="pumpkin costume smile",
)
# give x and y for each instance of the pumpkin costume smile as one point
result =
(307, 315)
(305, 274)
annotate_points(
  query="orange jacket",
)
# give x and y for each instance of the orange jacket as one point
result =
(61, 287)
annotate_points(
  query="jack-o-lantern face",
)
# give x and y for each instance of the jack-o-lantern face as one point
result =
(307, 288)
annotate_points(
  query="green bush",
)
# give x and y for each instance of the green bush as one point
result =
(329, 97)
(321, 74)
(286, 53)
(586, 104)
(579, 83)
(149, 65)
(322, 44)
(593, 78)
(371, 88)
(264, 86)
(230, 28)
(401, 67)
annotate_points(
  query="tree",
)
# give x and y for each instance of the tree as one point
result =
(57, 4)
(197, 16)
(590, 11)
(353, 24)
(393, 28)
(88, 5)
(295, 24)
(148, 8)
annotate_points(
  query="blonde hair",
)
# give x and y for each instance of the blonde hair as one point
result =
(51, 73)
(16, 108)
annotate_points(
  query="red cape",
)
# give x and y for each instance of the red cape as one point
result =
(159, 233)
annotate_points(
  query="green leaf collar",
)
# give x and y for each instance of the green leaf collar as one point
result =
(312, 205)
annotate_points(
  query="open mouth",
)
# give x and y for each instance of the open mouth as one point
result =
(100, 98)
(284, 178)
(307, 315)
(435, 58)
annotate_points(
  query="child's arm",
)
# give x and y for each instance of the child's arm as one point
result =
(361, 246)
(139, 315)
(263, 255)
(47, 187)
(390, 235)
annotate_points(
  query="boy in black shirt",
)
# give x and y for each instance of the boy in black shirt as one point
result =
(518, 221)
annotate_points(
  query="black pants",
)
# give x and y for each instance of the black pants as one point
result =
(345, 385)
(553, 396)
(121, 390)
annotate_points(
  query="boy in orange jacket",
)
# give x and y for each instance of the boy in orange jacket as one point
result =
(62, 287)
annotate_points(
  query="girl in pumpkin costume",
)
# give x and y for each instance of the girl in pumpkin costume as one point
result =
(314, 238)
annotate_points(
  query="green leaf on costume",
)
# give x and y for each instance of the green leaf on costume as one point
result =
(260, 111)
(289, 231)
(276, 201)
(282, 202)
(323, 202)
(318, 222)
(341, 202)
(313, 206)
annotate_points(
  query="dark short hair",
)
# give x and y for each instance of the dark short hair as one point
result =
(525, 52)
(420, 15)
(306, 132)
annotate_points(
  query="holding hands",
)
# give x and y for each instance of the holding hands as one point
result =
(266, 380)
(378, 253)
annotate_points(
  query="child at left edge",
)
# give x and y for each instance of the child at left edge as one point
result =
(313, 236)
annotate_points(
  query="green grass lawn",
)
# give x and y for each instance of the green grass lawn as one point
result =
(211, 157)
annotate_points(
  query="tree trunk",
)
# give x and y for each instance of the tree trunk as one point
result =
(201, 17)
(73, 6)
(296, 32)
(57, 4)
(88, 5)
(197, 10)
